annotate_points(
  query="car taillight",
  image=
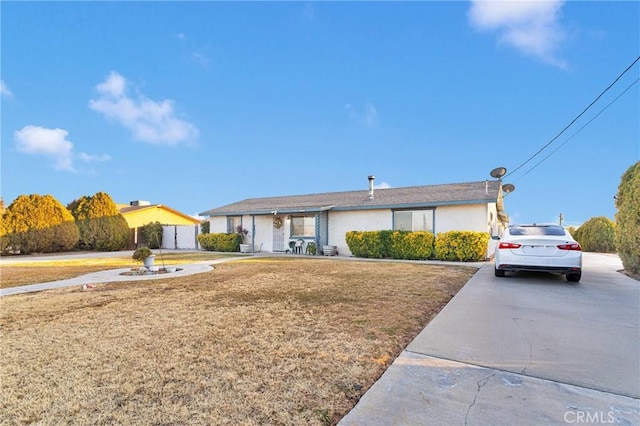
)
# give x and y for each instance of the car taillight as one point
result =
(572, 246)
(509, 246)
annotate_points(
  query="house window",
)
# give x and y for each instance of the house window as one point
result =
(303, 226)
(413, 220)
(232, 223)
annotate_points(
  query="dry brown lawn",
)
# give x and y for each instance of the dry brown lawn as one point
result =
(22, 271)
(257, 341)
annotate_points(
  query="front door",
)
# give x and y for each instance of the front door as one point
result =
(278, 234)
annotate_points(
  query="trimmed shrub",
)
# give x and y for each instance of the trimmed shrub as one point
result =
(369, 244)
(101, 225)
(205, 226)
(36, 223)
(466, 246)
(141, 254)
(220, 242)
(151, 235)
(412, 245)
(597, 235)
(627, 235)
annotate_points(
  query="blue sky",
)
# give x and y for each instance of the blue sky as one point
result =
(199, 104)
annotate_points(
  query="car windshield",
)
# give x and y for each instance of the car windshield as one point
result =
(536, 230)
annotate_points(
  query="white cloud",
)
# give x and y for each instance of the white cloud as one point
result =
(53, 143)
(114, 86)
(48, 142)
(382, 185)
(89, 158)
(368, 116)
(530, 26)
(148, 120)
(4, 90)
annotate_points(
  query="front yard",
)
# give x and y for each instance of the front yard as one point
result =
(260, 340)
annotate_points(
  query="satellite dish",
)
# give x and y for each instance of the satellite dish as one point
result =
(508, 188)
(498, 172)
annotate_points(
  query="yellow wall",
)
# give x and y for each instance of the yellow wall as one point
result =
(141, 217)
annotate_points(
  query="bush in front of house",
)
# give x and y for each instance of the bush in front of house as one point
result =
(102, 226)
(369, 244)
(220, 242)
(412, 245)
(628, 219)
(152, 234)
(465, 246)
(597, 235)
(38, 224)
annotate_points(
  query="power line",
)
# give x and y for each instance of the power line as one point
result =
(575, 119)
(580, 129)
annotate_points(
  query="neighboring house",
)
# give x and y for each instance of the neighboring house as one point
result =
(139, 213)
(325, 218)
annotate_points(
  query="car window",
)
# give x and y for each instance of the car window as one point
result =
(536, 230)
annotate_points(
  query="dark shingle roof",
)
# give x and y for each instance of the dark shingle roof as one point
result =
(408, 197)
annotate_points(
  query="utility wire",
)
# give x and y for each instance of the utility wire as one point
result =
(580, 129)
(575, 119)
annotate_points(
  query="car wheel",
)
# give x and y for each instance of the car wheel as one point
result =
(499, 272)
(574, 278)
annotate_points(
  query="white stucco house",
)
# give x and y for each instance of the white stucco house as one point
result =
(325, 218)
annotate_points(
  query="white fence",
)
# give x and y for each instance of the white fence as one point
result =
(183, 237)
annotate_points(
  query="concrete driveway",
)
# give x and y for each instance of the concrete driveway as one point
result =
(524, 349)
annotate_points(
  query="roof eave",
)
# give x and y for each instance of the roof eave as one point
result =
(317, 209)
(415, 205)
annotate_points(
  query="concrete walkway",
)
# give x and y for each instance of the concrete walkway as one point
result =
(527, 349)
(114, 275)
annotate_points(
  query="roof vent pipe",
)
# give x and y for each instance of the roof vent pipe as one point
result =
(371, 179)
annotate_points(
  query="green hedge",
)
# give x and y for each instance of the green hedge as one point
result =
(596, 235)
(220, 242)
(38, 224)
(390, 244)
(412, 245)
(627, 238)
(466, 246)
(152, 235)
(369, 244)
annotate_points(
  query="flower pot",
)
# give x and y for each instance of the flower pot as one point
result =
(245, 248)
(330, 250)
(148, 261)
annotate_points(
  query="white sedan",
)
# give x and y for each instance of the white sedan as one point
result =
(545, 248)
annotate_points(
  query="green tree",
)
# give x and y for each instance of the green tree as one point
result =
(152, 235)
(597, 235)
(101, 225)
(36, 223)
(627, 236)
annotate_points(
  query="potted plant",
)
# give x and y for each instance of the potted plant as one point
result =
(144, 255)
(244, 247)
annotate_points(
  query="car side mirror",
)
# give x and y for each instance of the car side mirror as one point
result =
(495, 237)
